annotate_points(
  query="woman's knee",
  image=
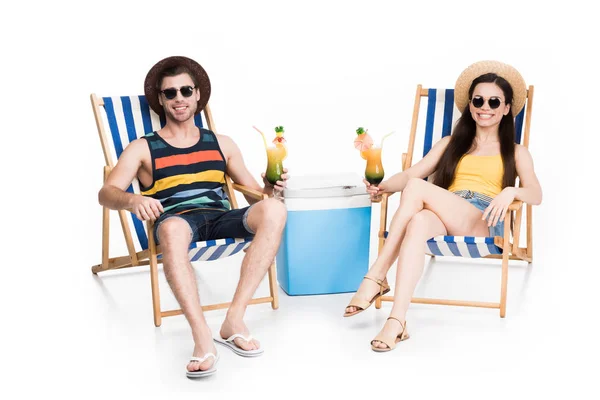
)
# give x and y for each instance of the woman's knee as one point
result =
(413, 185)
(421, 225)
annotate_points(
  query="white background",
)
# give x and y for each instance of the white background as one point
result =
(320, 69)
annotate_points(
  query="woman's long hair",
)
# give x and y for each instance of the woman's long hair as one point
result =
(463, 136)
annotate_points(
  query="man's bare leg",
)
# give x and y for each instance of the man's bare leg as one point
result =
(175, 236)
(266, 218)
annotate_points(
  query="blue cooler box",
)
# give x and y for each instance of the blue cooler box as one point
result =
(325, 243)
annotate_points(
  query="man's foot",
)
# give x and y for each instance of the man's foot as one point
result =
(392, 332)
(368, 289)
(230, 328)
(200, 350)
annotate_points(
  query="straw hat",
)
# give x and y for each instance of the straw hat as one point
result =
(512, 76)
(196, 69)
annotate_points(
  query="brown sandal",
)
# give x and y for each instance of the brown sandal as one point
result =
(391, 344)
(361, 303)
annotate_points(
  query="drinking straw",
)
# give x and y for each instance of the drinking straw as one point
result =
(263, 136)
(383, 138)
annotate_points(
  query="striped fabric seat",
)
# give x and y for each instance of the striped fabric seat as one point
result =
(460, 246)
(129, 118)
(441, 116)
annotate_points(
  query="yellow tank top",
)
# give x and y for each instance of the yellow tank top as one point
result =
(482, 174)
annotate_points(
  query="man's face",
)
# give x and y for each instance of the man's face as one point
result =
(179, 108)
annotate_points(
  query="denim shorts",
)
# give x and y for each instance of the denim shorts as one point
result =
(211, 224)
(481, 201)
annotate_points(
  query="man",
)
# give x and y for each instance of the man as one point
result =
(181, 171)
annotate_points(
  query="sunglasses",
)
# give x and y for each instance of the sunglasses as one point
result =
(493, 102)
(171, 93)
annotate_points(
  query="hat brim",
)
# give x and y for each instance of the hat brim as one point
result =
(512, 76)
(200, 75)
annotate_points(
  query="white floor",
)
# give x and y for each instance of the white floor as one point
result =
(98, 338)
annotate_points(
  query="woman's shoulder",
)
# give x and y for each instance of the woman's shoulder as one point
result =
(521, 150)
(522, 154)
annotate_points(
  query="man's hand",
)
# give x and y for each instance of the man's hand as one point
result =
(279, 185)
(146, 208)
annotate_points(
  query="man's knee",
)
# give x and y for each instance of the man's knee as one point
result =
(172, 230)
(273, 213)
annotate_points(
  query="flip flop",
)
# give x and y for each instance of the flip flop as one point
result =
(229, 343)
(202, 374)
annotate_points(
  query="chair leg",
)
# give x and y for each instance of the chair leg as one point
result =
(105, 237)
(155, 290)
(505, 258)
(154, 276)
(273, 287)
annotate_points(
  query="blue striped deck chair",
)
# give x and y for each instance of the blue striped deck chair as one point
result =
(440, 116)
(128, 118)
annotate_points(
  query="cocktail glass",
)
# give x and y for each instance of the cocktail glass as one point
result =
(275, 157)
(374, 172)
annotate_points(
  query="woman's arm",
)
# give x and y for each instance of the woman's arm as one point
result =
(531, 191)
(425, 167)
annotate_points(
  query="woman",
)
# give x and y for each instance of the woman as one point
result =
(474, 183)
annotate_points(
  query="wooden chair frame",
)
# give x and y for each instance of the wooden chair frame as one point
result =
(510, 251)
(150, 256)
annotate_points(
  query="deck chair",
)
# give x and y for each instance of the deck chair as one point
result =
(440, 115)
(128, 118)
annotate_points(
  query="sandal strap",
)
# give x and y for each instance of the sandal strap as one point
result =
(202, 359)
(382, 283)
(403, 325)
(382, 339)
(359, 302)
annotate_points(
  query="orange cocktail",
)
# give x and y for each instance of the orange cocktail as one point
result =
(374, 172)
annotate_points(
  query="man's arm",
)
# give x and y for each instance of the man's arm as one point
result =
(113, 193)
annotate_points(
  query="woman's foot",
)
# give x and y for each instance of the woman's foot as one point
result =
(369, 290)
(393, 331)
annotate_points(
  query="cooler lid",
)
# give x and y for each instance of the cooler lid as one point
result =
(325, 185)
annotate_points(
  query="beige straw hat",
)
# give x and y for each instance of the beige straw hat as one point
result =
(512, 76)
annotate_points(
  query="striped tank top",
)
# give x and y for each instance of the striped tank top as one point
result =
(189, 178)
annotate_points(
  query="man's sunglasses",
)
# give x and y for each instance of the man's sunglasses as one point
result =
(171, 93)
(493, 102)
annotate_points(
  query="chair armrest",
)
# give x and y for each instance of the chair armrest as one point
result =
(515, 205)
(255, 194)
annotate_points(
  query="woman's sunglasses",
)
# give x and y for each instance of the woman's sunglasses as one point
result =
(478, 101)
(171, 93)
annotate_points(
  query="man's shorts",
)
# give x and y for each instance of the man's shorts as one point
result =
(211, 224)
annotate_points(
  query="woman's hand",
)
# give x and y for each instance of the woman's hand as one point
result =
(497, 209)
(374, 191)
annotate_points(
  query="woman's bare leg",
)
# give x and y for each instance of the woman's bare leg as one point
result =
(424, 225)
(458, 216)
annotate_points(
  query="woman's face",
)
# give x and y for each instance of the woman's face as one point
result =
(484, 113)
